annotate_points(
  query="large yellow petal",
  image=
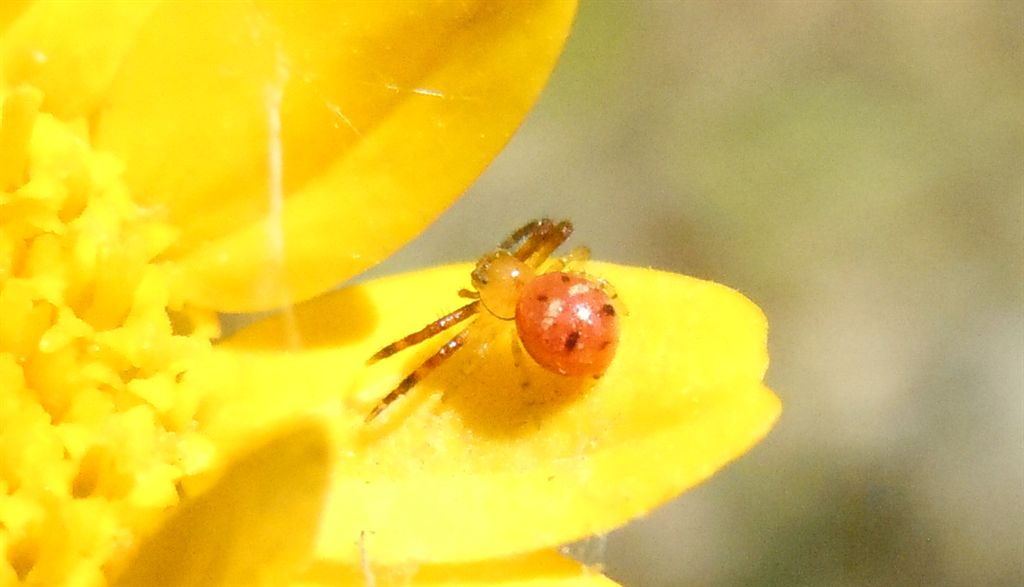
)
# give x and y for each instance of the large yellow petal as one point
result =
(486, 457)
(257, 523)
(294, 144)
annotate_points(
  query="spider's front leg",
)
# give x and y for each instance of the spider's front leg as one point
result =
(429, 331)
(419, 373)
(534, 242)
(525, 232)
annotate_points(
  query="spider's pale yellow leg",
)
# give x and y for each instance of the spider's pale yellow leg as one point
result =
(575, 259)
(574, 262)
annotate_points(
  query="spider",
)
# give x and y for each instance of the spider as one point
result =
(566, 321)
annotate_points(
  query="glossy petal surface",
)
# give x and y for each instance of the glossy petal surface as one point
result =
(491, 455)
(294, 144)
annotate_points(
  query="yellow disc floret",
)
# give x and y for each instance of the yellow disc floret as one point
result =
(96, 410)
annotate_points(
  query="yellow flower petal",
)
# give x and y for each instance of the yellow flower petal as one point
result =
(254, 527)
(70, 50)
(294, 144)
(257, 523)
(538, 569)
(485, 458)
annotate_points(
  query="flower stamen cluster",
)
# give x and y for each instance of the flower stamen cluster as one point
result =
(96, 422)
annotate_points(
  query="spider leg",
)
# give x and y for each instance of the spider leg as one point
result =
(577, 256)
(537, 249)
(428, 331)
(524, 232)
(534, 242)
(419, 373)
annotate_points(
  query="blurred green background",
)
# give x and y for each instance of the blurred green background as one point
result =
(856, 169)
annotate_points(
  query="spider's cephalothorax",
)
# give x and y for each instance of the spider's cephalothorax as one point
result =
(566, 321)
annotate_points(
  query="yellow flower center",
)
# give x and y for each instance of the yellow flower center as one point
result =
(96, 411)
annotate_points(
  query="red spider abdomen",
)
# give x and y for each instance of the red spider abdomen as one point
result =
(568, 324)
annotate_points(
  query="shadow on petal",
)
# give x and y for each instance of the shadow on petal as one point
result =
(254, 526)
(332, 320)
